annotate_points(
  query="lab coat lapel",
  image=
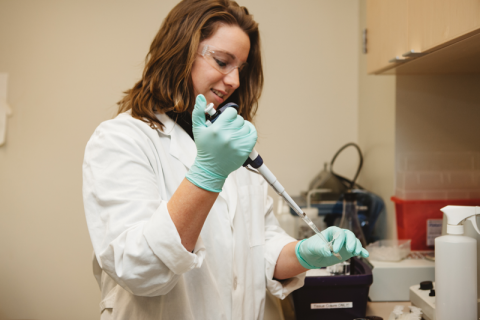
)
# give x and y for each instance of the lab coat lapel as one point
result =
(182, 147)
(230, 192)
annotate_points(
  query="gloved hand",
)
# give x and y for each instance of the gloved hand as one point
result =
(314, 253)
(221, 148)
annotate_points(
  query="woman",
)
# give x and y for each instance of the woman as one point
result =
(180, 230)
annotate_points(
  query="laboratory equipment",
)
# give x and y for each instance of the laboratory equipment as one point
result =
(342, 268)
(303, 231)
(334, 297)
(437, 176)
(350, 222)
(412, 217)
(424, 299)
(328, 179)
(427, 182)
(389, 250)
(350, 219)
(393, 279)
(330, 204)
(217, 155)
(255, 161)
(421, 298)
(456, 267)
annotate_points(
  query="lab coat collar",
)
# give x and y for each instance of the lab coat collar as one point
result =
(182, 147)
(168, 123)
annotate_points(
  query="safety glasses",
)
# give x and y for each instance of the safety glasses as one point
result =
(221, 60)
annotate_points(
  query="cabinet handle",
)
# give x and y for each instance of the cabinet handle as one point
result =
(413, 54)
(397, 59)
(364, 47)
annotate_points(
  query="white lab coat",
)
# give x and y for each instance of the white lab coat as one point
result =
(130, 172)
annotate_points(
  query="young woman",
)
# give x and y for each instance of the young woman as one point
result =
(179, 228)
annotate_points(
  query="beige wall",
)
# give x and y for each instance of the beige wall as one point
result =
(68, 63)
(438, 114)
(376, 136)
(310, 104)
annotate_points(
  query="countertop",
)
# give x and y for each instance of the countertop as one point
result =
(383, 309)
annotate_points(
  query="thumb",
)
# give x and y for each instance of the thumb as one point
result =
(198, 114)
(227, 116)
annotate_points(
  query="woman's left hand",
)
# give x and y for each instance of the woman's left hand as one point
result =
(314, 253)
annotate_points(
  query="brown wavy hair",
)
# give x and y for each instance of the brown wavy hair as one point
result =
(166, 83)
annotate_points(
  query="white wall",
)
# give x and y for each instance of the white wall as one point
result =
(376, 136)
(69, 62)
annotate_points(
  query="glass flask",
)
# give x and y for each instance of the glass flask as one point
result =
(350, 218)
(349, 221)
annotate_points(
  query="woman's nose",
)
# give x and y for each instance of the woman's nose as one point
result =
(233, 79)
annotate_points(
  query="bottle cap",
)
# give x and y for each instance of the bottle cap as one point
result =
(455, 229)
(426, 285)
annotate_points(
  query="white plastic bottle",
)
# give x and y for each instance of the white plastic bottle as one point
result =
(456, 267)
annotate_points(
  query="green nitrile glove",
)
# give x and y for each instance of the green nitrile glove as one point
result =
(314, 253)
(221, 148)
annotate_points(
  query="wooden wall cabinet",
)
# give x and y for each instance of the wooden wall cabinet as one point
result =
(421, 27)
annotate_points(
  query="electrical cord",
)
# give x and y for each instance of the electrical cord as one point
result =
(351, 184)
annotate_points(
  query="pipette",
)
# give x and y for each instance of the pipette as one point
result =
(256, 162)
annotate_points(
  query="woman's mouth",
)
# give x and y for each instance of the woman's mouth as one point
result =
(218, 93)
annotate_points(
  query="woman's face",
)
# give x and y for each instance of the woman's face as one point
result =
(207, 79)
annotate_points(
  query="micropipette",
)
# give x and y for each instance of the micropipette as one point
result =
(256, 162)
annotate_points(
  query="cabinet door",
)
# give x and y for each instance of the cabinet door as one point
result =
(387, 32)
(434, 23)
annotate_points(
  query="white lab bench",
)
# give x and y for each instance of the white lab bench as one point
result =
(392, 280)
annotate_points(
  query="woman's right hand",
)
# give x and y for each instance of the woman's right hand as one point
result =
(221, 148)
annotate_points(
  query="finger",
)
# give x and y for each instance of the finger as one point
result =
(330, 232)
(358, 248)
(238, 122)
(322, 249)
(339, 242)
(246, 131)
(198, 114)
(228, 115)
(351, 241)
(252, 134)
(364, 253)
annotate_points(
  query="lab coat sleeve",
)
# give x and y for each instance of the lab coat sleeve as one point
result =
(134, 238)
(275, 239)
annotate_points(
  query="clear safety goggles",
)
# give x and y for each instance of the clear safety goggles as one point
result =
(221, 60)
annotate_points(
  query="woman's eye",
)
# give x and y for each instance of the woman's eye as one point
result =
(220, 63)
